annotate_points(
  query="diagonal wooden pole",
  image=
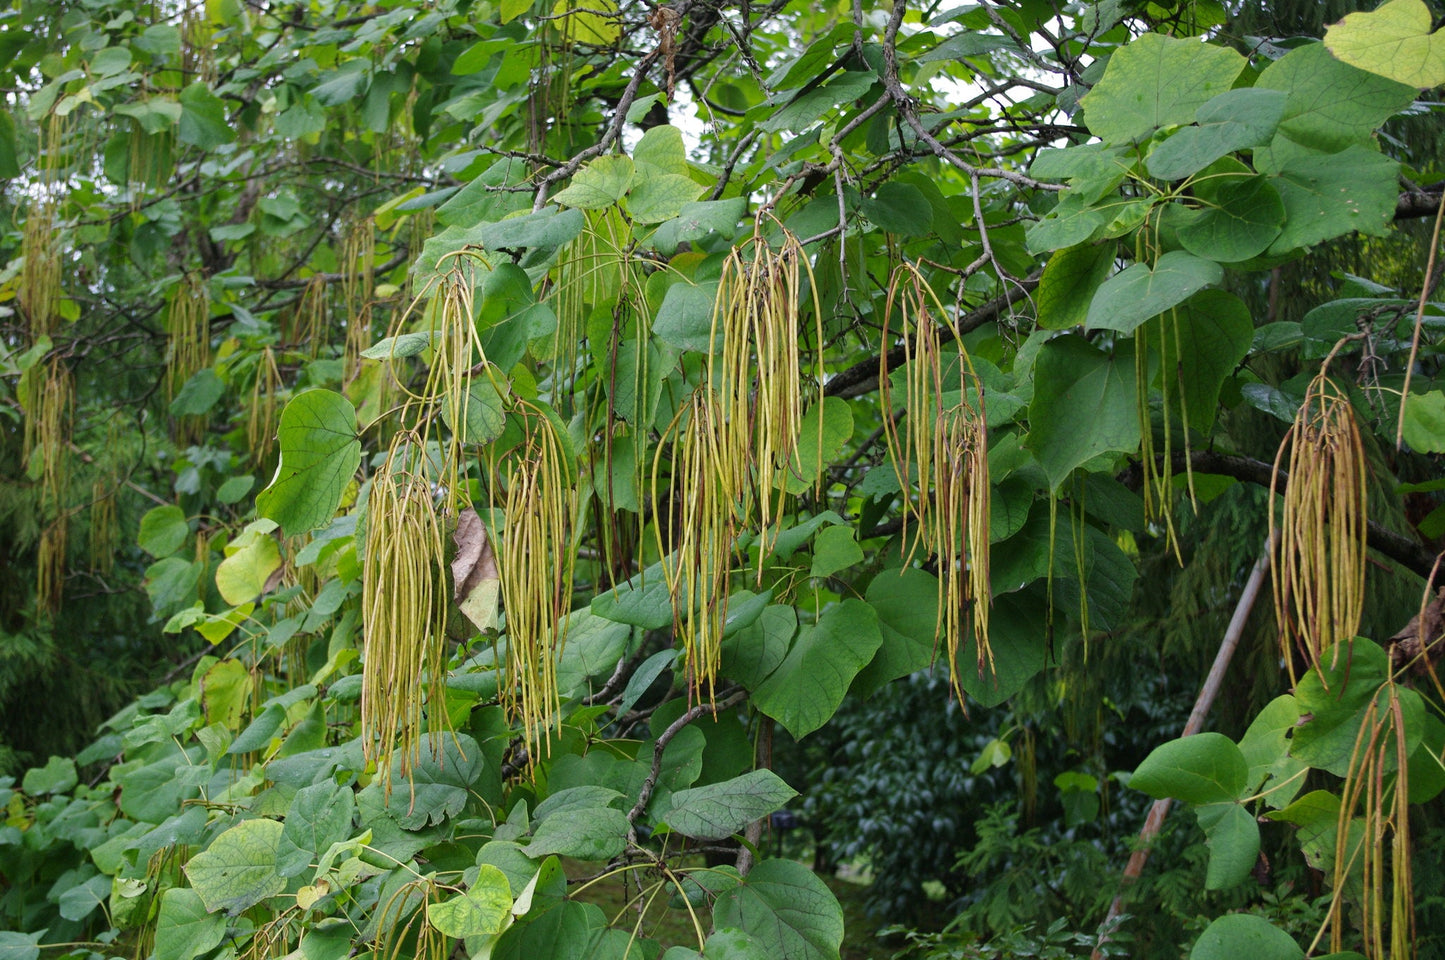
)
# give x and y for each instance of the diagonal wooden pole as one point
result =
(1207, 693)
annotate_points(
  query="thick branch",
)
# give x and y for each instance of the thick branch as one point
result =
(1413, 204)
(1409, 553)
(734, 695)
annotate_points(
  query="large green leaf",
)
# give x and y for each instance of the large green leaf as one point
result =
(1073, 221)
(319, 455)
(1232, 121)
(819, 445)
(203, 118)
(1394, 40)
(1204, 768)
(1206, 338)
(1329, 196)
(1265, 746)
(238, 870)
(1156, 81)
(643, 600)
(662, 196)
(1240, 220)
(684, 319)
(483, 909)
(80, 901)
(787, 911)
(899, 208)
(449, 764)
(1232, 834)
(250, 560)
(547, 229)
(1142, 291)
(1349, 690)
(754, 652)
(1425, 421)
(719, 810)
(599, 184)
(1236, 935)
(1083, 405)
(57, 776)
(20, 946)
(1069, 283)
(556, 929)
(1331, 104)
(319, 816)
(185, 929)
(163, 530)
(1017, 634)
(808, 686)
(906, 601)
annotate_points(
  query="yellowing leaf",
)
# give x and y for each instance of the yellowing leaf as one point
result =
(1393, 41)
(586, 25)
(251, 559)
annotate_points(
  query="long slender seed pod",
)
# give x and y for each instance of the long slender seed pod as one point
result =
(533, 487)
(943, 444)
(358, 290)
(1319, 579)
(188, 321)
(701, 528)
(403, 609)
(104, 538)
(263, 414)
(39, 292)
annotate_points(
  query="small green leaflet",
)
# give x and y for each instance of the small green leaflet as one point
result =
(319, 455)
(719, 810)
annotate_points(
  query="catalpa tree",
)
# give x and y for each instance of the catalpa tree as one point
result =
(530, 412)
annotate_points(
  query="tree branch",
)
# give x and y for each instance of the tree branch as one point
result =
(1411, 554)
(862, 377)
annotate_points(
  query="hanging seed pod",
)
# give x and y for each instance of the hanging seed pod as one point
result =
(104, 537)
(306, 325)
(943, 442)
(39, 293)
(188, 321)
(358, 290)
(1319, 578)
(758, 377)
(50, 566)
(534, 488)
(263, 414)
(403, 611)
(700, 529)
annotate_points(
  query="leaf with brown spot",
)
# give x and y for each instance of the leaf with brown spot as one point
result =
(474, 572)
